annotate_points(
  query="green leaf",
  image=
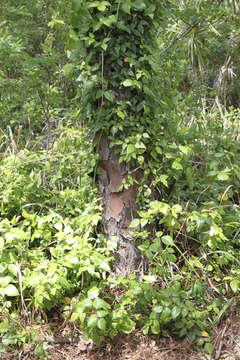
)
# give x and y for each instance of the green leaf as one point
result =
(189, 177)
(209, 348)
(93, 292)
(144, 221)
(102, 324)
(235, 285)
(102, 6)
(166, 314)
(157, 309)
(108, 21)
(13, 269)
(177, 165)
(102, 313)
(185, 149)
(155, 327)
(163, 180)
(167, 240)
(177, 208)
(222, 176)
(100, 304)
(158, 150)
(11, 290)
(128, 325)
(134, 223)
(68, 70)
(4, 281)
(176, 311)
(120, 114)
(77, 4)
(145, 329)
(139, 4)
(74, 316)
(128, 83)
(126, 6)
(131, 149)
(92, 321)
(58, 226)
(109, 96)
(25, 214)
(85, 303)
(149, 278)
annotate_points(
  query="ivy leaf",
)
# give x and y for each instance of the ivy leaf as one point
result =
(102, 6)
(128, 83)
(139, 4)
(4, 281)
(209, 348)
(158, 309)
(158, 150)
(11, 290)
(234, 285)
(177, 208)
(222, 176)
(74, 316)
(68, 70)
(144, 221)
(92, 320)
(101, 323)
(167, 240)
(131, 149)
(109, 96)
(108, 21)
(102, 313)
(166, 314)
(100, 304)
(93, 292)
(177, 165)
(77, 4)
(134, 223)
(128, 325)
(163, 180)
(155, 327)
(126, 7)
(176, 311)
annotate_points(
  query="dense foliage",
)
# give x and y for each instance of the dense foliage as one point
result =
(160, 78)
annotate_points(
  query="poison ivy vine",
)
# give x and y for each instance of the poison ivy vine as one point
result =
(112, 45)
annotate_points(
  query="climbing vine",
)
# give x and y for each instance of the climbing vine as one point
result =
(117, 133)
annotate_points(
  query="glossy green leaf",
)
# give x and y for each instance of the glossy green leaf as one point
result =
(134, 223)
(11, 290)
(92, 321)
(155, 328)
(102, 324)
(128, 83)
(235, 285)
(167, 240)
(100, 304)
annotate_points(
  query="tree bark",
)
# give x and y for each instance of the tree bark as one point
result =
(119, 207)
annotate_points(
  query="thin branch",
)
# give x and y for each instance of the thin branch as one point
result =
(179, 37)
(24, 308)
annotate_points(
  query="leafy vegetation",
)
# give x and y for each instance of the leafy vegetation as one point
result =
(160, 79)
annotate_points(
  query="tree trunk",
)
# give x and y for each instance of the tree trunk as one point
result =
(119, 207)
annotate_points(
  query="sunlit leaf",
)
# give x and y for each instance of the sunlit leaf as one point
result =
(11, 290)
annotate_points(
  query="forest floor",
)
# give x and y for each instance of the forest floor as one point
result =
(226, 342)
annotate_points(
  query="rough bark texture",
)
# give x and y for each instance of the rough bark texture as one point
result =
(119, 207)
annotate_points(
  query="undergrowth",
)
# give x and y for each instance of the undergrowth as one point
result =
(52, 253)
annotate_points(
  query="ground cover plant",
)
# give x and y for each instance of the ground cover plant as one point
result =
(118, 144)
